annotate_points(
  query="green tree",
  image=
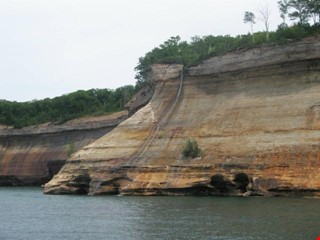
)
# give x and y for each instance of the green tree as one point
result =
(314, 8)
(283, 8)
(249, 17)
(300, 11)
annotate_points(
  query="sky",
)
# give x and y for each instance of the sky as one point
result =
(53, 47)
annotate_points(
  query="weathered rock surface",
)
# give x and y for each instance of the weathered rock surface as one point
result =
(259, 57)
(32, 155)
(140, 99)
(164, 72)
(159, 72)
(255, 114)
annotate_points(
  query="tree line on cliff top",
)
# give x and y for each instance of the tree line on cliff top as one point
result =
(60, 109)
(304, 16)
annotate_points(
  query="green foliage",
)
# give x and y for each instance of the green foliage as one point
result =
(70, 149)
(300, 10)
(66, 107)
(249, 17)
(191, 149)
(174, 50)
(198, 49)
(191, 53)
(295, 32)
(283, 8)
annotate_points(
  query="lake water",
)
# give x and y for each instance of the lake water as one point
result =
(25, 213)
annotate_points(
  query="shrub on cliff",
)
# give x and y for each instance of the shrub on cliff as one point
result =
(70, 149)
(191, 149)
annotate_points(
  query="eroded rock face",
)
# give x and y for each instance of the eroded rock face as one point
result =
(164, 72)
(259, 57)
(32, 155)
(257, 125)
(140, 99)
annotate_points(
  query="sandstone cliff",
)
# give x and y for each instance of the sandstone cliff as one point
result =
(32, 155)
(254, 113)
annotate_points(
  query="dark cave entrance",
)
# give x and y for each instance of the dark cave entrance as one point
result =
(82, 183)
(219, 182)
(242, 181)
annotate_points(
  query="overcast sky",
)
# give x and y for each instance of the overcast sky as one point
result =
(53, 47)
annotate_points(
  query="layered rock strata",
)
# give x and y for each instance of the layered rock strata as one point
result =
(255, 114)
(32, 155)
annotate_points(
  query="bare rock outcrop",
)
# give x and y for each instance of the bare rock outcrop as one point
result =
(140, 99)
(164, 72)
(158, 73)
(254, 114)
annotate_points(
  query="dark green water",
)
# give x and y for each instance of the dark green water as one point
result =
(25, 213)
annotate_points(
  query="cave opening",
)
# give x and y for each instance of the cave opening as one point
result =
(219, 182)
(54, 166)
(242, 181)
(82, 183)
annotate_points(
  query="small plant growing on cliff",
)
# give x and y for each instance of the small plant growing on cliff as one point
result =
(191, 149)
(70, 149)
